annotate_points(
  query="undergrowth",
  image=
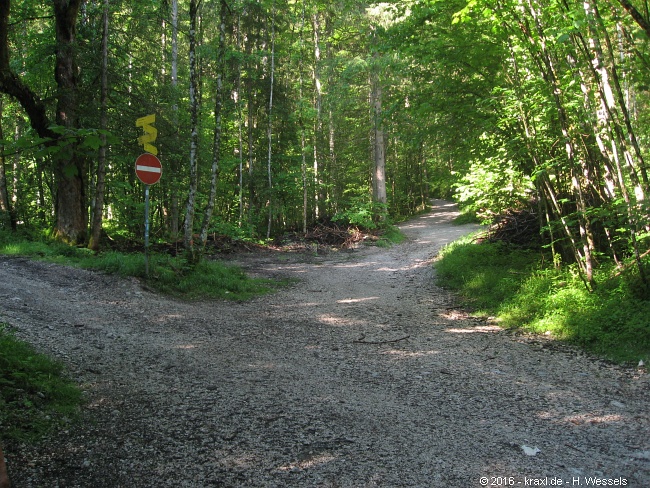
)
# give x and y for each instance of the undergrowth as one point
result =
(390, 236)
(168, 274)
(467, 216)
(35, 395)
(518, 288)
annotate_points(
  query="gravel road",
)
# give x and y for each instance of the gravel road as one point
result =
(362, 374)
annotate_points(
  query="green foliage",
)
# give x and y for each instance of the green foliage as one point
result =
(363, 213)
(31, 243)
(176, 276)
(35, 395)
(233, 230)
(493, 185)
(206, 279)
(389, 236)
(486, 274)
(467, 217)
(516, 287)
(393, 235)
(330, 130)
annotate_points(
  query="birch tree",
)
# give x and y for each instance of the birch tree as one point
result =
(216, 143)
(188, 239)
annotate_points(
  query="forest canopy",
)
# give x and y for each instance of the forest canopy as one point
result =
(273, 115)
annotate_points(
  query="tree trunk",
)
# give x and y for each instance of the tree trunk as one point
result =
(270, 127)
(318, 123)
(5, 209)
(251, 122)
(5, 482)
(71, 166)
(240, 135)
(13, 86)
(546, 63)
(216, 148)
(610, 121)
(303, 141)
(379, 147)
(174, 164)
(98, 209)
(188, 240)
(623, 106)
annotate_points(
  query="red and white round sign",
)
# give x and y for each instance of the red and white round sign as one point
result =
(148, 169)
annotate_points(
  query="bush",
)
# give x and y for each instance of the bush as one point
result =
(492, 186)
(363, 213)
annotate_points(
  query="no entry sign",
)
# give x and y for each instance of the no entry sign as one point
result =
(148, 169)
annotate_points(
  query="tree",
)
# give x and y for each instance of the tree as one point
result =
(188, 239)
(6, 218)
(98, 207)
(218, 109)
(568, 88)
(70, 165)
(269, 169)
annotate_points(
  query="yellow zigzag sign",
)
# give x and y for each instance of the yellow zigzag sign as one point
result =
(150, 133)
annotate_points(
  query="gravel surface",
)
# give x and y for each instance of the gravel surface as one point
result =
(362, 374)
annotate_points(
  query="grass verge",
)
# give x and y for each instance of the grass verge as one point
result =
(35, 395)
(174, 276)
(467, 217)
(167, 274)
(516, 287)
(390, 236)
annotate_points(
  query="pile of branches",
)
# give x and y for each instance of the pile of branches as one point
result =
(519, 227)
(329, 233)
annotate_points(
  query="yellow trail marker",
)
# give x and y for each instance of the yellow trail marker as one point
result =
(150, 133)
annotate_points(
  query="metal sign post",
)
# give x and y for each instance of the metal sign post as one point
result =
(146, 230)
(148, 170)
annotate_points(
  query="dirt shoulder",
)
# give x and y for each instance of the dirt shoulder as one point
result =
(362, 374)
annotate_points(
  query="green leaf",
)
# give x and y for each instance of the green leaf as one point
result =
(92, 141)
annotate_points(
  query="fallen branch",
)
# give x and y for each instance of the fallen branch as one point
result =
(361, 341)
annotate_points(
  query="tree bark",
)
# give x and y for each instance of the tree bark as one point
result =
(270, 127)
(175, 166)
(240, 135)
(188, 240)
(216, 148)
(303, 141)
(71, 167)
(379, 147)
(98, 209)
(6, 218)
(318, 123)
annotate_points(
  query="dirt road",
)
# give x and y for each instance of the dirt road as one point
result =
(363, 374)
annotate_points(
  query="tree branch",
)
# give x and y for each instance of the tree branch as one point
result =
(13, 86)
(636, 15)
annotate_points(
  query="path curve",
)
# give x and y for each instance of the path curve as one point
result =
(363, 374)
